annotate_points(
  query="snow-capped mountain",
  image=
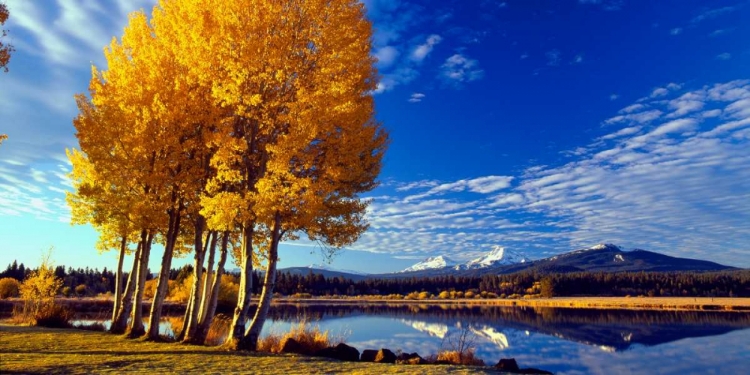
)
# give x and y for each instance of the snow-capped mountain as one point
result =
(432, 263)
(499, 256)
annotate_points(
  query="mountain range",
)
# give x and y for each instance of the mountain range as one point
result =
(498, 256)
(598, 258)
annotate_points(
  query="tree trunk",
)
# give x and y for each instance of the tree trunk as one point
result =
(208, 280)
(118, 278)
(237, 329)
(136, 328)
(208, 318)
(120, 322)
(191, 323)
(250, 341)
(163, 283)
(188, 309)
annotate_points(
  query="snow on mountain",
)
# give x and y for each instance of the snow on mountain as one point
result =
(327, 267)
(499, 256)
(432, 263)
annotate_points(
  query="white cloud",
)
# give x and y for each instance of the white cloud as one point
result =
(553, 57)
(459, 69)
(422, 50)
(675, 185)
(724, 56)
(676, 31)
(416, 97)
(614, 97)
(386, 56)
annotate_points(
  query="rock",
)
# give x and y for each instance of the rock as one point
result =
(368, 355)
(341, 352)
(410, 359)
(385, 356)
(507, 364)
(292, 346)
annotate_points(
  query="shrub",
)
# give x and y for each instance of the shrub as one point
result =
(460, 348)
(444, 295)
(66, 291)
(38, 292)
(9, 287)
(457, 358)
(310, 338)
(228, 290)
(469, 294)
(219, 330)
(81, 290)
(425, 295)
(53, 316)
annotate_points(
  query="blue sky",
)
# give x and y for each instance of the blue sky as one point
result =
(540, 126)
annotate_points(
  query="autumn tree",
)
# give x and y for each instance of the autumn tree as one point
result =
(296, 78)
(5, 49)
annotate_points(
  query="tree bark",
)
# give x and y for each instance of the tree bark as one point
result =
(250, 341)
(136, 328)
(208, 318)
(118, 278)
(208, 280)
(120, 322)
(237, 329)
(162, 285)
(191, 323)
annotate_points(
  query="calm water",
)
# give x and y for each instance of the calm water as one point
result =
(567, 341)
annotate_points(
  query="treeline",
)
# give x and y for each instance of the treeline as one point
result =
(94, 282)
(692, 284)
(653, 284)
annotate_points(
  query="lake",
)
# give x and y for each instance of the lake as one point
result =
(565, 341)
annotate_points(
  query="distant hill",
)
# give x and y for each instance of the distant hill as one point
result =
(304, 271)
(599, 258)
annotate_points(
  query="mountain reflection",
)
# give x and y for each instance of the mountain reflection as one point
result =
(611, 330)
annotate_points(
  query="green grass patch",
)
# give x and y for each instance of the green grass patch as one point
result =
(72, 351)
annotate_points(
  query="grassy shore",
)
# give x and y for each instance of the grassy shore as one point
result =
(71, 351)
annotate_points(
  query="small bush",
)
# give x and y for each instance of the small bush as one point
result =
(457, 358)
(81, 290)
(310, 338)
(53, 316)
(9, 287)
(219, 330)
(66, 291)
(301, 295)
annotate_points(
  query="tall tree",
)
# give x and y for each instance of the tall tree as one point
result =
(292, 74)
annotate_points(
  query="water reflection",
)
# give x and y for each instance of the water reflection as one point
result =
(560, 340)
(575, 341)
(615, 330)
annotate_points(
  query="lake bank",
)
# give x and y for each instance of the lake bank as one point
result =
(102, 306)
(72, 351)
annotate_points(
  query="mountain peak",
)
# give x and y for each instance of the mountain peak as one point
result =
(435, 262)
(605, 246)
(495, 257)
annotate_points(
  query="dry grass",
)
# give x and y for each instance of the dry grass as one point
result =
(36, 350)
(310, 338)
(219, 330)
(455, 357)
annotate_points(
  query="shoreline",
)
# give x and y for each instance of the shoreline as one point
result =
(720, 304)
(617, 303)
